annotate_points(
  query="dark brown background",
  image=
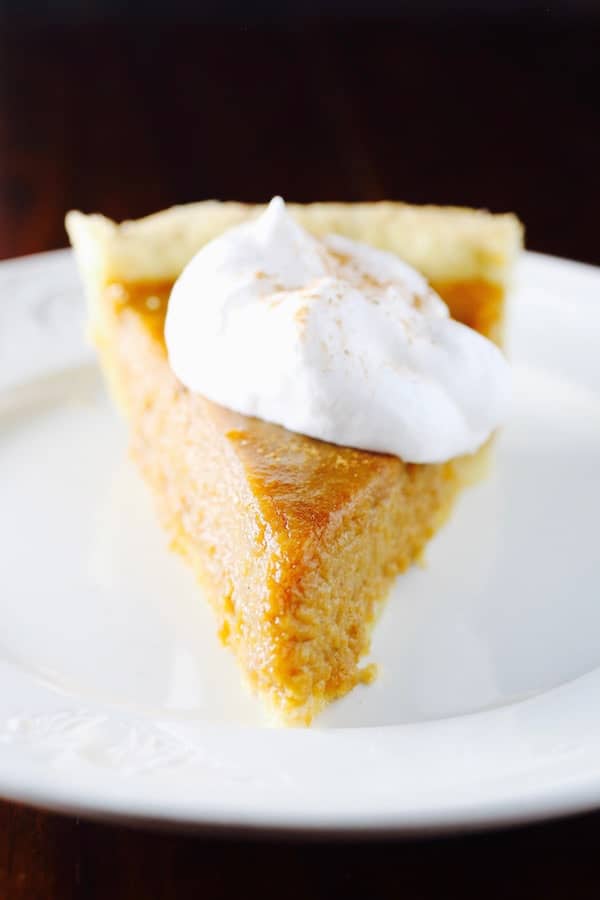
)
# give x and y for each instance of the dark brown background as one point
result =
(129, 117)
(126, 117)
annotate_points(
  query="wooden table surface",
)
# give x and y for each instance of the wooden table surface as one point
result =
(128, 118)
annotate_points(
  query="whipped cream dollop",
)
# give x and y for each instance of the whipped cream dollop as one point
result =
(333, 339)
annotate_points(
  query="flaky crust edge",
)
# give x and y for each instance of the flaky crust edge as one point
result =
(444, 243)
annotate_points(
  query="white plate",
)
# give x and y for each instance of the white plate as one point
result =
(117, 700)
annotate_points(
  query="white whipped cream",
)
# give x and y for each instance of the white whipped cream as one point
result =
(333, 339)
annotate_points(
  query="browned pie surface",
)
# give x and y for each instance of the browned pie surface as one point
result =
(302, 482)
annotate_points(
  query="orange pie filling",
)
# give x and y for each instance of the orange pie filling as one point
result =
(273, 522)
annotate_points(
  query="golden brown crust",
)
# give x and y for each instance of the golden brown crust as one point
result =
(444, 243)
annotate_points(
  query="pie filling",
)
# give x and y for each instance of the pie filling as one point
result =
(476, 303)
(295, 541)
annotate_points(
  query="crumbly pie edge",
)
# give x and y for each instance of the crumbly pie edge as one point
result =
(444, 243)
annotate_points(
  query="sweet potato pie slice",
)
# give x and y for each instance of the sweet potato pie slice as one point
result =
(294, 541)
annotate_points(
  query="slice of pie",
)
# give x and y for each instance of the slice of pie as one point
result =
(295, 541)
